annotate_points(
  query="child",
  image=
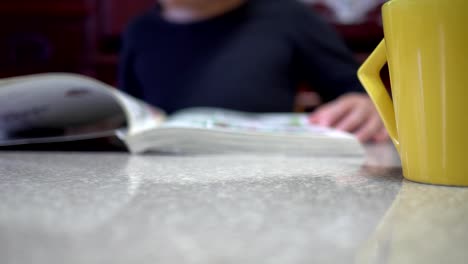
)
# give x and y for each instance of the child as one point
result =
(244, 55)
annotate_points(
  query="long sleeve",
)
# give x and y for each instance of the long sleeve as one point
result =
(322, 58)
(127, 81)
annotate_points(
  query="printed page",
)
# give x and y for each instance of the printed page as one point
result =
(241, 122)
(214, 130)
(50, 104)
(140, 115)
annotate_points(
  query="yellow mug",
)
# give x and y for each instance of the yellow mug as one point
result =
(426, 47)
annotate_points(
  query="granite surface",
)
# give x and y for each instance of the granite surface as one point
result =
(78, 207)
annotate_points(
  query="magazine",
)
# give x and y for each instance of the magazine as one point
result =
(63, 107)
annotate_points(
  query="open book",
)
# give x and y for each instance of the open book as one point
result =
(62, 107)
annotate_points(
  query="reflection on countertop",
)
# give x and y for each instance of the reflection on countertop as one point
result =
(425, 224)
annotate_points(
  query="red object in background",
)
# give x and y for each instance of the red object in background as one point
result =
(361, 38)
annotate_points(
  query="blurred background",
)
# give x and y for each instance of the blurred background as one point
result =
(83, 36)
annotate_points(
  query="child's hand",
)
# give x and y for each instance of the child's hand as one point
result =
(355, 113)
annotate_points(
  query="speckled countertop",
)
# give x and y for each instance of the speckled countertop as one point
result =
(116, 208)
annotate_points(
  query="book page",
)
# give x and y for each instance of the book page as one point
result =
(140, 115)
(46, 105)
(214, 130)
(241, 122)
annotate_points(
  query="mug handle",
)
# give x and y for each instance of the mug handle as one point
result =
(369, 75)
